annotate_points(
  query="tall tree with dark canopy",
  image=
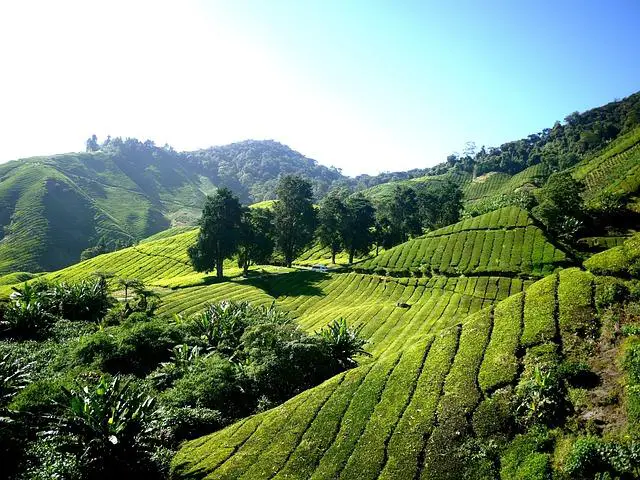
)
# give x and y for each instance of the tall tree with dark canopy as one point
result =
(295, 217)
(402, 215)
(331, 217)
(219, 232)
(560, 205)
(357, 235)
(439, 204)
(256, 237)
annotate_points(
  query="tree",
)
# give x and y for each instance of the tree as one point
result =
(219, 232)
(92, 144)
(331, 217)
(560, 205)
(357, 235)
(129, 283)
(256, 238)
(402, 216)
(439, 204)
(295, 217)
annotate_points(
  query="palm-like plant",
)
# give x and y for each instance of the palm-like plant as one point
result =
(221, 325)
(85, 300)
(14, 376)
(130, 283)
(24, 319)
(108, 426)
(344, 343)
(182, 357)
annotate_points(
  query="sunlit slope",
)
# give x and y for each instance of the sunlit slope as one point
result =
(391, 311)
(149, 261)
(484, 191)
(46, 220)
(398, 416)
(503, 242)
(615, 170)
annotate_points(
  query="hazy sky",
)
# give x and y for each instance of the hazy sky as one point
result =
(366, 86)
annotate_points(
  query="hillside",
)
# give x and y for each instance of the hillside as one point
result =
(399, 416)
(53, 208)
(505, 242)
(458, 323)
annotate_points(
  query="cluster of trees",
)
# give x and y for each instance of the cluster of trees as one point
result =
(560, 147)
(342, 222)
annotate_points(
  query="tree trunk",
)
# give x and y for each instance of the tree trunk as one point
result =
(377, 247)
(351, 252)
(219, 267)
(246, 269)
(333, 256)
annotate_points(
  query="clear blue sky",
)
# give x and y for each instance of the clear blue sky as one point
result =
(366, 86)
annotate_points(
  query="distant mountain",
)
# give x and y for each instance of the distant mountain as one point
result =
(52, 208)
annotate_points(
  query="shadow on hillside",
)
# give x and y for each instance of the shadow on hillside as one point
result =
(298, 283)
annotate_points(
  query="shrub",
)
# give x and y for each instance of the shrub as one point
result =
(592, 457)
(137, 348)
(84, 300)
(494, 417)
(609, 291)
(221, 325)
(185, 423)
(342, 343)
(107, 427)
(211, 382)
(526, 456)
(26, 319)
(540, 397)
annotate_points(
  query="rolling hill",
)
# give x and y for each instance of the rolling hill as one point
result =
(53, 208)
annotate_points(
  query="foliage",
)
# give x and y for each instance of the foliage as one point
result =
(131, 348)
(295, 217)
(219, 233)
(400, 216)
(358, 220)
(14, 376)
(331, 223)
(107, 427)
(256, 237)
(209, 382)
(592, 457)
(560, 205)
(439, 204)
(540, 397)
(343, 343)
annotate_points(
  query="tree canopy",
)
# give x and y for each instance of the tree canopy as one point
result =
(295, 217)
(219, 232)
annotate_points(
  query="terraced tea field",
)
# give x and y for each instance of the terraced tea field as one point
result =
(397, 416)
(616, 170)
(505, 241)
(391, 311)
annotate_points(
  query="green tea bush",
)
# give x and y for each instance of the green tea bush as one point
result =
(609, 291)
(212, 382)
(527, 456)
(495, 416)
(539, 309)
